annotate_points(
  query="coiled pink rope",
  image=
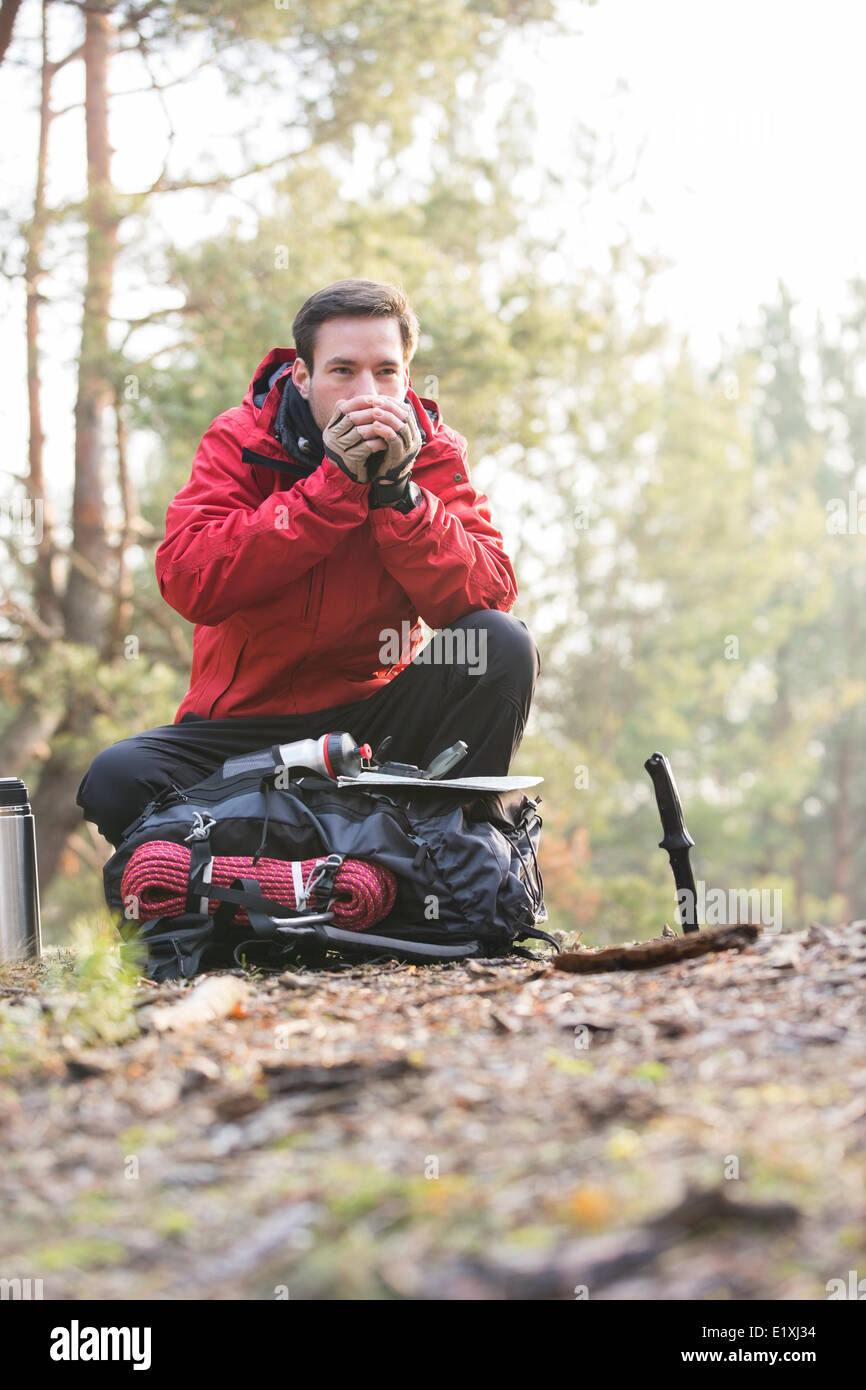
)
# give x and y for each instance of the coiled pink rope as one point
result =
(157, 876)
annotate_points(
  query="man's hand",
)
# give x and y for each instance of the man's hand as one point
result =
(360, 427)
(391, 468)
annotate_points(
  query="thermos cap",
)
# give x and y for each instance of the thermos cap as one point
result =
(12, 792)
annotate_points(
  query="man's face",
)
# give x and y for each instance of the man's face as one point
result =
(353, 357)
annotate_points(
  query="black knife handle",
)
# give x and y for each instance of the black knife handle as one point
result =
(668, 800)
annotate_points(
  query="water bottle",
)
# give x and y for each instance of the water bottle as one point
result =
(20, 934)
(332, 755)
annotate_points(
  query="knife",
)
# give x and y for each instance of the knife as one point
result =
(677, 840)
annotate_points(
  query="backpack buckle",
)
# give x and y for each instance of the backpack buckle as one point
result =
(321, 878)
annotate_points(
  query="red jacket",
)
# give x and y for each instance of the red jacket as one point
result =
(292, 580)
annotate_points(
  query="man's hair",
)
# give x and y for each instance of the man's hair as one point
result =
(356, 298)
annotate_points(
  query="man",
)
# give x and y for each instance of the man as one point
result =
(324, 517)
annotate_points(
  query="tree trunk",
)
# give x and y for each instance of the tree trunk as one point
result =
(843, 831)
(31, 729)
(842, 836)
(123, 607)
(86, 604)
(45, 597)
(8, 14)
(55, 810)
(799, 872)
(33, 726)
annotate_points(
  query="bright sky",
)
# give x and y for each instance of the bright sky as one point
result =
(750, 115)
(753, 114)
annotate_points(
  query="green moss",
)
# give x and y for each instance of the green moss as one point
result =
(78, 1253)
(533, 1237)
(93, 1206)
(139, 1137)
(572, 1066)
(171, 1221)
(651, 1071)
(289, 1141)
(366, 1191)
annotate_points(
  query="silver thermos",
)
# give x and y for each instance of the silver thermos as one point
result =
(20, 934)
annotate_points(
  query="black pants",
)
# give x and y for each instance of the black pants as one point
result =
(476, 684)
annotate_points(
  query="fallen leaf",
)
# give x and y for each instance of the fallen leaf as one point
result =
(589, 1206)
(215, 997)
(504, 1024)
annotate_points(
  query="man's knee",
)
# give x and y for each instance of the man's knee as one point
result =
(116, 786)
(501, 643)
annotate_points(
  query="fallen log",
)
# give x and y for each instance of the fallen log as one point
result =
(648, 955)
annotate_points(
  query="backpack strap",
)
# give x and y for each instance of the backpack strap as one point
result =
(247, 892)
(410, 950)
(542, 936)
(268, 922)
(199, 887)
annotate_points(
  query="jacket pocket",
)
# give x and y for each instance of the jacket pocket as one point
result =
(314, 586)
(227, 664)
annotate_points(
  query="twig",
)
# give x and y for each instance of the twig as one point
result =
(647, 955)
(10, 608)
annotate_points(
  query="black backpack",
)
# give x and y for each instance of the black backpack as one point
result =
(474, 855)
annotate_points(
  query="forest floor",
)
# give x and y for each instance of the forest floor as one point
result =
(488, 1131)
